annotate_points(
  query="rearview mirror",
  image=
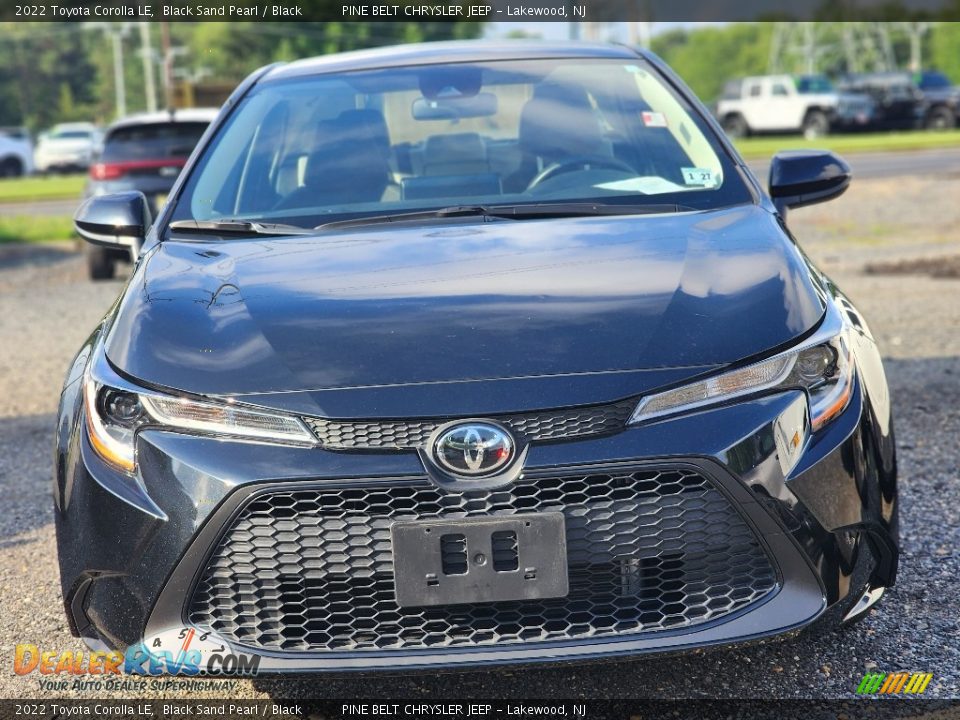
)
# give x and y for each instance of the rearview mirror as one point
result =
(118, 221)
(805, 177)
(455, 107)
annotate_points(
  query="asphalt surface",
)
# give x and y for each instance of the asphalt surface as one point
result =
(943, 162)
(48, 308)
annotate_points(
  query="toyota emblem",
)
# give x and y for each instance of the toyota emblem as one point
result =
(473, 449)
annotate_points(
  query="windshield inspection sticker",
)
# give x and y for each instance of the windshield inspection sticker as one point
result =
(654, 119)
(698, 176)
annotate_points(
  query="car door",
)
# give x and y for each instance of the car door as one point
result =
(781, 105)
(753, 104)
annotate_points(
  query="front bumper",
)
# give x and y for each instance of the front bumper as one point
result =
(853, 120)
(133, 552)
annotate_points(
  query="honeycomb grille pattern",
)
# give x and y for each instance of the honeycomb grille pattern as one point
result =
(405, 434)
(312, 570)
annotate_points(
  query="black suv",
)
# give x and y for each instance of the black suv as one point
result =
(142, 152)
(907, 100)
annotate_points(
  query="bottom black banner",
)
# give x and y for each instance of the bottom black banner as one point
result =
(484, 709)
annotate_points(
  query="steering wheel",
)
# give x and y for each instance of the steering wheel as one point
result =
(580, 162)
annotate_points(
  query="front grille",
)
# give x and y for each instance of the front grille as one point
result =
(312, 570)
(545, 425)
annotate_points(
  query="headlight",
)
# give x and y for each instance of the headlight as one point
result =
(114, 415)
(824, 371)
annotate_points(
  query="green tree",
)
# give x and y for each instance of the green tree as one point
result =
(41, 64)
(231, 50)
(55, 71)
(945, 49)
(707, 57)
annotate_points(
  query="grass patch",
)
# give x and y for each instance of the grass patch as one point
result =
(27, 228)
(53, 187)
(765, 147)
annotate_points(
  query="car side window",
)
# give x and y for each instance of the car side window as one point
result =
(755, 90)
(779, 90)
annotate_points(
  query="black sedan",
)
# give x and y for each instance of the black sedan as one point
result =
(471, 353)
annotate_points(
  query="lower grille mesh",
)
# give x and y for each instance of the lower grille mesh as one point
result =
(312, 570)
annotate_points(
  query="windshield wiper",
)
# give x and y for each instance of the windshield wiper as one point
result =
(447, 212)
(236, 227)
(511, 212)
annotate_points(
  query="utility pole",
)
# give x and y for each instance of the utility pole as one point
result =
(167, 65)
(116, 32)
(796, 47)
(146, 54)
(915, 32)
(119, 84)
(638, 33)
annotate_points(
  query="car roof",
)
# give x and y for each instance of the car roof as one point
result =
(178, 115)
(446, 52)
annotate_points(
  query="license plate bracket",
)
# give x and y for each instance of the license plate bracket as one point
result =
(474, 560)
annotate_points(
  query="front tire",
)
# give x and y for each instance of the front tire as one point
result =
(101, 265)
(940, 118)
(735, 126)
(815, 125)
(11, 167)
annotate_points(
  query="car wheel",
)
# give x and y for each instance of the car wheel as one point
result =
(815, 125)
(735, 126)
(11, 167)
(940, 118)
(101, 265)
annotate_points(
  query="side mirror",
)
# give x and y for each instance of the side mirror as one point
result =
(805, 177)
(120, 220)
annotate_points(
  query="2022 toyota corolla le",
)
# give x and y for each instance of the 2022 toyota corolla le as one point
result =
(468, 353)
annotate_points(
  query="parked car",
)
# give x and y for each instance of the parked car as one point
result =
(896, 100)
(939, 100)
(68, 147)
(807, 104)
(909, 100)
(144, 153)
(16, 152)
(469, 354)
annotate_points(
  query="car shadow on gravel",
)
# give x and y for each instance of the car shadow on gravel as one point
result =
(19, 254)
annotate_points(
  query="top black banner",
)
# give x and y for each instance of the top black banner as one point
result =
(599, 11)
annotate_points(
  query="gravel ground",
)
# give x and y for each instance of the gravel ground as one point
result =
(48, 307)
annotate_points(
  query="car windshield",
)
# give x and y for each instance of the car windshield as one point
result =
(153, 141)
(933, 81)
(311, 150)
(71, 135)
(813, 84)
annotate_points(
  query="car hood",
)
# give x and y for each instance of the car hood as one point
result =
(849, 97)
(578, 310)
